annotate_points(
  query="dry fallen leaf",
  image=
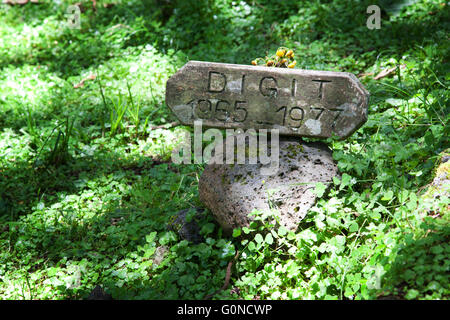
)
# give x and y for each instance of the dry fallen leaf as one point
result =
(363, 75)
(387, 72)
(81, 83)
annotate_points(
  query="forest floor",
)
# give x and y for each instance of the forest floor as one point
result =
(87, 188)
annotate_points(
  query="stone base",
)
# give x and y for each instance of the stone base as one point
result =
(231, 192)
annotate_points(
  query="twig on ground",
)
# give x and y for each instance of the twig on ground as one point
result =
(227, 278)
(81, 83)
(387, 72)
(166, 126)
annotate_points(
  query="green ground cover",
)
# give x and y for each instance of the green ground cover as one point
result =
(86, 184)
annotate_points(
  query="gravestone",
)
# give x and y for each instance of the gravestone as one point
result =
(299, 103)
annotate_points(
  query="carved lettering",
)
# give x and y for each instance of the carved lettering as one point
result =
(240, 110)
(321, 84)
(242, 84)
(294, 87)
(268, 91)
(297, 102)
(202, 113)
(223, 111)
(217, 81)
(320, 111)
(296, 114)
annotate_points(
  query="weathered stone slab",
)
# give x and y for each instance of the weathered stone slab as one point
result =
(231, 192)
(297, 102)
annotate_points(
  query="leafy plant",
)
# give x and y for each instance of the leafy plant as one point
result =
(283, 58)
(81, 208)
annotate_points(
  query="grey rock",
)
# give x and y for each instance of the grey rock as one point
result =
(439, 188)
(187, 230)
(231, 192)
(160, 254)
